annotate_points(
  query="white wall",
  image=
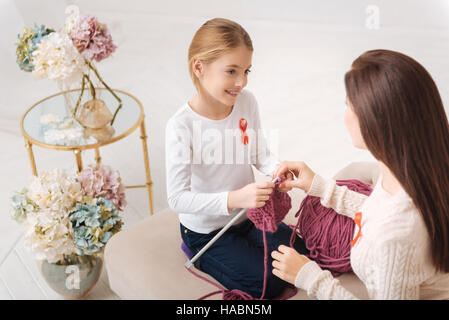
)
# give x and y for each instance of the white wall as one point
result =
(302, 50)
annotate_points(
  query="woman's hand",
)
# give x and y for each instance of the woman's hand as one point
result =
(287, 262)
(253, 195)
(287, 176)
(304, 175)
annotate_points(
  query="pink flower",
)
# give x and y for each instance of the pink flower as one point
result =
(102, 181)
(92, 38)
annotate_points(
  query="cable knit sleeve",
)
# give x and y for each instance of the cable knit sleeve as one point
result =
(395, 276)
(339, 198)
(397, 273)
(321, 284)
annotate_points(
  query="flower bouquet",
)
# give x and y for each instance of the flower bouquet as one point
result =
(68, 56)
(68, 219)
(63, 132)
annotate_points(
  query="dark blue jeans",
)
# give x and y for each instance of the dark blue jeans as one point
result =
(236, 259)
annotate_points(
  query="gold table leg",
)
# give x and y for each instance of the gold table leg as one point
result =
(29, 147)
(146, 159)
(97, 156)
(79, 160)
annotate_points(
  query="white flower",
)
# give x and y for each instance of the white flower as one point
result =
(54, 137)
(55, 190)
(48, 231)
(66, 133)
(64, 137)
(50, 118)
(49, 235)
(57, 58)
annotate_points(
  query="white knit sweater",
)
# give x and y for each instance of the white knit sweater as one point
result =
(392, 255)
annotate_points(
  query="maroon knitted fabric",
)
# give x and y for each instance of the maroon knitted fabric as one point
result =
(273, 212)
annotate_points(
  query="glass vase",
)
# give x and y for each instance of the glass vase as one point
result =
(74, 280)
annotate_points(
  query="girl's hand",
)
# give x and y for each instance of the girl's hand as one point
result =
(287, 262)
(304, 175)
(253, 195)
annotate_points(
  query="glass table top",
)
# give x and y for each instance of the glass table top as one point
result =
(48, 123)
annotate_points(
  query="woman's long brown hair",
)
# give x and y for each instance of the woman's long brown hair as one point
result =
(404, 125)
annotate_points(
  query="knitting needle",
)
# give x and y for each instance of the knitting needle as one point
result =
(189, 263)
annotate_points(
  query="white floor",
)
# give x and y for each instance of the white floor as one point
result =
(302, 51)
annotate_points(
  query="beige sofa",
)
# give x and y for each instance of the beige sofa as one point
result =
(145, 261)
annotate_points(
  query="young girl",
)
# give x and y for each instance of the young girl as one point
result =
(401, 241)
(211, 143)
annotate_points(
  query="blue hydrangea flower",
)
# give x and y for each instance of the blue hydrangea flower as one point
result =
(27, 43)
(94, 222)
(21, 205)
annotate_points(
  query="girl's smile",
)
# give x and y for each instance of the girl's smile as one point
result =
(232, 93)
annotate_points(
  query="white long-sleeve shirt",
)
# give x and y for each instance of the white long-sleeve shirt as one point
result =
(392, 254)
(205, 159)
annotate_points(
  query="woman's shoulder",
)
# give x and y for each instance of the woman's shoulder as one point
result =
(404, 225)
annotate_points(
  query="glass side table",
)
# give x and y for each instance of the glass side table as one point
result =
(129, 118)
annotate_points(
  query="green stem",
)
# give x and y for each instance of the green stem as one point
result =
(83, 83)
(115, 113)
(109, 89)
(91, 86)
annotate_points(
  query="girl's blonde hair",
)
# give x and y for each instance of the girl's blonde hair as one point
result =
(214, 38)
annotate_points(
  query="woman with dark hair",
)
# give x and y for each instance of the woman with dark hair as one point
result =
(400, 248)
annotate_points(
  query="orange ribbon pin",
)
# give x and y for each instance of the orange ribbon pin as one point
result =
(358, 222)
(243, 124)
